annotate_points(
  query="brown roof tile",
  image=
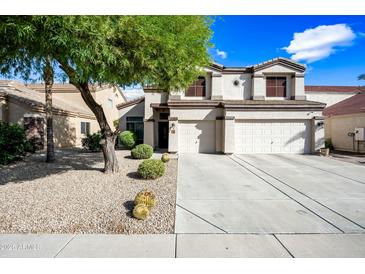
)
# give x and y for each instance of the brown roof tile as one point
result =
(352, 105)
(345, 89)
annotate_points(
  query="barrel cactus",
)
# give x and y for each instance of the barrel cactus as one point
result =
(141, 211)
(165, 157)
(145, 197)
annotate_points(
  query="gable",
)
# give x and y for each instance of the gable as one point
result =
(283, 64)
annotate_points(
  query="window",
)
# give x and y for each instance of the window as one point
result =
(275, 86)
(110, 103)
(85, 128)
(197, 89)
(135, 124)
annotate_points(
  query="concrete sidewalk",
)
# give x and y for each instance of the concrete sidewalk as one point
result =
(182, 245)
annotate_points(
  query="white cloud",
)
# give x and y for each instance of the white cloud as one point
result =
(318, 43)
(222, 54)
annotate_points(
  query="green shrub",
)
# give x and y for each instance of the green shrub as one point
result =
(128, 139)
(328, 144)
(92, 142)
(151, 169)
(142, 151)
(13, 143)
(165, 157)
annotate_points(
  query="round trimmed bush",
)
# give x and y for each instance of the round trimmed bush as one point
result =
(165, 157)
(151, 169)
(142, 151)
(128, 139)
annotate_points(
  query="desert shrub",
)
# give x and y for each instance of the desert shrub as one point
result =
(128, 139)
(328, 144)
(13, 143)
(151, 169)
(165, 157)
(142, 151)
(92, 142)
(145, 197)
(140, 211)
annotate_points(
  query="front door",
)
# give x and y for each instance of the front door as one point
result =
(163, 134)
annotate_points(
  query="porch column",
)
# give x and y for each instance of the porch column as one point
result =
(148, 132)
(173, 135)
(228, 143)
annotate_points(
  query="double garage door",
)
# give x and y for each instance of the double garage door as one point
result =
(251, 136)
(272, 136)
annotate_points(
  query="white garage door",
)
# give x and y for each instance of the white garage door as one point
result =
(197, 136)
(270, 136)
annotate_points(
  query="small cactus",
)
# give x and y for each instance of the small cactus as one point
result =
(140, 211)
(165, 157)
(145, 197)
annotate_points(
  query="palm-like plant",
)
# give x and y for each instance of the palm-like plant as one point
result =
(361, 77)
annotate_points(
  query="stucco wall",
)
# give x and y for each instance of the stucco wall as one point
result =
(135, 110)
(327, 97)
(240, 92)
(66, 129)
(111, 111)
(338, 127)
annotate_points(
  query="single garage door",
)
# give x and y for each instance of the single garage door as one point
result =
(272, 136)
(197, 136)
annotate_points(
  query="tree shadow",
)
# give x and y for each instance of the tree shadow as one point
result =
(134, 175)
(129, 205)
(34, 166)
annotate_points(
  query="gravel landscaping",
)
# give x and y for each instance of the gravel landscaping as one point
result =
(74, 196)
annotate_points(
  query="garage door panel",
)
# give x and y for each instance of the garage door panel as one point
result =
(197, 136)
(269, 136)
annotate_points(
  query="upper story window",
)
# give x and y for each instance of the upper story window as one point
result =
(197, 89)
(275, 86)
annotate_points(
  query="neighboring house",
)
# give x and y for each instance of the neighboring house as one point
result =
(72, 119)
(19, 104)
(256, 109)
(330, 94)
(342, 121)
(108, 97)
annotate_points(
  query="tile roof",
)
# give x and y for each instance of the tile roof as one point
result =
(64, 87)
(354, 104)
(339, 89)
(36, 100)
(130, 103)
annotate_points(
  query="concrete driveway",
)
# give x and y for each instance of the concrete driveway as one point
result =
(269, 194)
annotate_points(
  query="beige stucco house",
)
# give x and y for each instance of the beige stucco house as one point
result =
(345, 123)
(255, 109)
(72, 117)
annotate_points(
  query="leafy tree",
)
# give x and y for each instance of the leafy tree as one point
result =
(361, 77)
(167, 51)
(26, 53)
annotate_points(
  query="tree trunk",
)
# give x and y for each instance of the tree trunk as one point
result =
(110, 158)
(48, 80)
(109, 137)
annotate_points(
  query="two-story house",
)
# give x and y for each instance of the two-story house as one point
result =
(256, 109)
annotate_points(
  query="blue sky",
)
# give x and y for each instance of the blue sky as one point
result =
(332, 47)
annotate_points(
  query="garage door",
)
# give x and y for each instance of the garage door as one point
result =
(270, 136)
(197, 136)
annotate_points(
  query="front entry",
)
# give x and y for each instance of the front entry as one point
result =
(163, 134)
